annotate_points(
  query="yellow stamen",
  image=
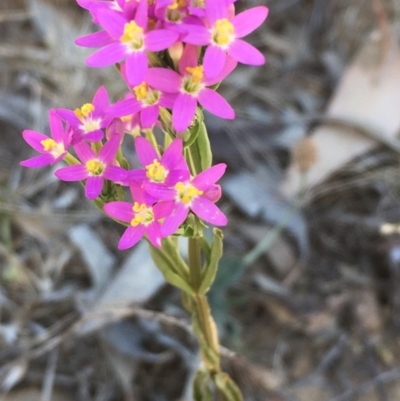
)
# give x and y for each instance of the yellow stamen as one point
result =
(187, 192)
(177, 4)
(141, 91)
(156, 172)
(95, 167)
(196, 73)
(84, 111)
(133, 36)
(48, 144)
(144, 215)
(223, 32)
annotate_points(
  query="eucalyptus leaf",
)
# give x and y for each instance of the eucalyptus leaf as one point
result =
(210, 271)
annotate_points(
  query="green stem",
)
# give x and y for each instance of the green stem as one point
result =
(195, 263)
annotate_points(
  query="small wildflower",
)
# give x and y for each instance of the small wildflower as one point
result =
(88, 120)
(95, 168)
(143, 218)
(191, 195)
(52, 149)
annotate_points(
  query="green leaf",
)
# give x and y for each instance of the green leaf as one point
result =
(210, 271)
(204, 147)
(227, 387)
(201, 386)
(166, 266)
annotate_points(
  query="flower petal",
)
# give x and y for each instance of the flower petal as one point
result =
(124, 108)
(207, 211)
(190, 58)
(174, 220)
(167, 100)
(145, 152)
(163, 209)
(84, 151)
(131, 236)
(173, 154)
(214, 61)
(100, 101)
(119, 210)
(149, 115)
(56, 126)
(216, 104)
(176, 176)
(112, 22)
(216, 10)
(38, 161)
(94, 136)
(209, 177)
(154, 233)
(106, 56)
(72, 173)
(136, 175)
(245, 53)
(230, 65)
(160, 39)
(97, 39)
(183, 111)
(109, 150)
(163, 79)
(197, 35)
(136, 67)
(94, 185)
(116, 174)
(69, 116)
(159, 191)
(249, 20)
(34, 139)
(141, 17)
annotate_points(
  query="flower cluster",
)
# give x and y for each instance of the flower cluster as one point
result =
(172, 54)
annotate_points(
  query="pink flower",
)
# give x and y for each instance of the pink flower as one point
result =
(168, 169)
(131, 40)
(196, 195)
(144, 100)
(88, 121)
(191, 86)
(142, 216)
(223, 36)
(95, 168)
(52, 149)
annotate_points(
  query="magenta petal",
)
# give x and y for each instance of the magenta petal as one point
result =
(97, 39)
(34, 139)
(119, 210)
(124, 108)
(174, 220)
(197, 35)
(213, 193)
(38, 161)
(109, 150)
(136, 67)
(131, 236)
(160, 191)
(94, 136)
(115, 174)
(160, 39)
(56, 126)
(141, 16)
(112, 22)
(69, 116)
(163, 79)
(190, 58)
(149, 115)
(209, 177)
(84, 151)
(106, 56)
(230, 65)
(163, 209)
(245, 53)
(214, 61)
(216, 10)
(94, 185)
(249, 20)
(145, 151)
(207, 211)
(72, 173)
(167, 100)
(183, 111)
(173, 154)
(136, 175)
(176, 176)
(216, 104)
(154, 233)
(100, 101)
